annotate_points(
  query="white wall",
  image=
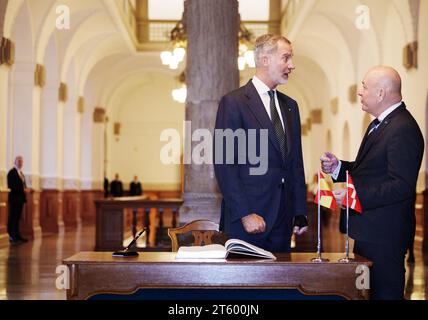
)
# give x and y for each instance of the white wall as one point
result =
(144, 111)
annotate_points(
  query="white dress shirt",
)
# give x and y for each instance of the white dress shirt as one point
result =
(263, 91)
(381, 117)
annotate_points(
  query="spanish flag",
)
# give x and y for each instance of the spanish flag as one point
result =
(324, 193)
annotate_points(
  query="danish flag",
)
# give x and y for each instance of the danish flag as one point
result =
(351, 194)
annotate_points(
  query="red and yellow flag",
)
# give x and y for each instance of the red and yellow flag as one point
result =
(353, 201)
(324, 194)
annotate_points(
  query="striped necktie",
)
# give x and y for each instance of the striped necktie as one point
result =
(373, 125)
(276, 120)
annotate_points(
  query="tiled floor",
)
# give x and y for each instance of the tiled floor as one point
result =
(28, 271)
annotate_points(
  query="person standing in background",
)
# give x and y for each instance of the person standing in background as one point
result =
(116, 187)
(135, 188)
(17, 199)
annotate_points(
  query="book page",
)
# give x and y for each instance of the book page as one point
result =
(210, 251)
(243, 247)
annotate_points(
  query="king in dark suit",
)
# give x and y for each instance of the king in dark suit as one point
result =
(16, 199)
(385, 174)
(262, 207)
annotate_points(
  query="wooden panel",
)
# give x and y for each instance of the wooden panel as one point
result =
(4, 237)
(160, 270)
(71, 202)
(51, 211)
(113, 214)
(30, 220)
(109, 229)
(88, 205)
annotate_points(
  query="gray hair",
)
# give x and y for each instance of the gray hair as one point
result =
(266, 45)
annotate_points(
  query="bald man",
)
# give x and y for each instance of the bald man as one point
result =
(17, 199)
(384, 173)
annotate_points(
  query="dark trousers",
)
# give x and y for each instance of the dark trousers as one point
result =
(387, 275)
(15, 212)
(279, 238)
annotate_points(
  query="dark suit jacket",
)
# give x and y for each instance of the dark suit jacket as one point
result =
(16, 186)
(243, 193)
(116, 188)
(135, 189)
(385, 173)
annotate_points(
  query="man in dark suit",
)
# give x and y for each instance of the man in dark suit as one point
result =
(262, 207)
(16, 199)
(384, 173)
(135, 188)
(116, 187)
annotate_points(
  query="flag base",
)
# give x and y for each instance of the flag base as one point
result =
(319, 260)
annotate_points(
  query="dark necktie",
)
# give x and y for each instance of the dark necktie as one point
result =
(276, 120)
(373, 126)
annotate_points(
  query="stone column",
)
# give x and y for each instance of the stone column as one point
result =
(142, 20)
(212, 51)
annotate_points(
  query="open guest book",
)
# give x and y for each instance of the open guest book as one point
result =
(232, 248)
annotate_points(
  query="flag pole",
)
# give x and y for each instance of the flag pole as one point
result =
(319, 258)
(346, 259)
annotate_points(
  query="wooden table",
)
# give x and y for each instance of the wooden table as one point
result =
(94, 273)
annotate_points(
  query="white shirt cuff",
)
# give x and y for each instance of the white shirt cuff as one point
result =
(336, 172)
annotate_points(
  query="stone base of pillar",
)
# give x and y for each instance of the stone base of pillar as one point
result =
(200, 206)
(30, 220)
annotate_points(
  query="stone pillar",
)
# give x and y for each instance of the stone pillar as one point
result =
(212, 51)
(3, 6)
(142, 20)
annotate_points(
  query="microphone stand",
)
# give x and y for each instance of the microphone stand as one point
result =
(125, 252)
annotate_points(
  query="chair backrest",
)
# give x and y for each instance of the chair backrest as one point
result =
(196, 233)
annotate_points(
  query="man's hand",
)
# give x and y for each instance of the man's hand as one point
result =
(253, 223)
(329, 162)
(300, 224)
(339, 194)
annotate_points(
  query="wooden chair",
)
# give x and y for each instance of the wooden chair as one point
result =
(196, 233)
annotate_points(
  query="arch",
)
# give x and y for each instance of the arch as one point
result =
(48, 116)
(21, 114)
(3, 6)
(12, 10)
(394, 37)
(366, 122)
(329, 141)
(108, 47)
(346, 142)
(85, 34)
(71, 135)
(86, 143)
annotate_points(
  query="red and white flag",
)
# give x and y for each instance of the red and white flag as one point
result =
(351, 194)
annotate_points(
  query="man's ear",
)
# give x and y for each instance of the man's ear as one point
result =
(265, 60)
(381, 94)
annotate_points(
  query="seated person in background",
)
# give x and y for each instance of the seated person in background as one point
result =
(106, 186)
(116, 187)
(135, 188)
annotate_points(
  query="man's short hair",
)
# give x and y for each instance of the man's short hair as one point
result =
(267, 44)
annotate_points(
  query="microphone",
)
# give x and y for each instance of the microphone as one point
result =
(125, 252)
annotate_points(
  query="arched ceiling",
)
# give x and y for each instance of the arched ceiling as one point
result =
(327, 46)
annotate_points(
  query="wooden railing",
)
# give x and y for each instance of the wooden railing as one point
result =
(111, 226)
